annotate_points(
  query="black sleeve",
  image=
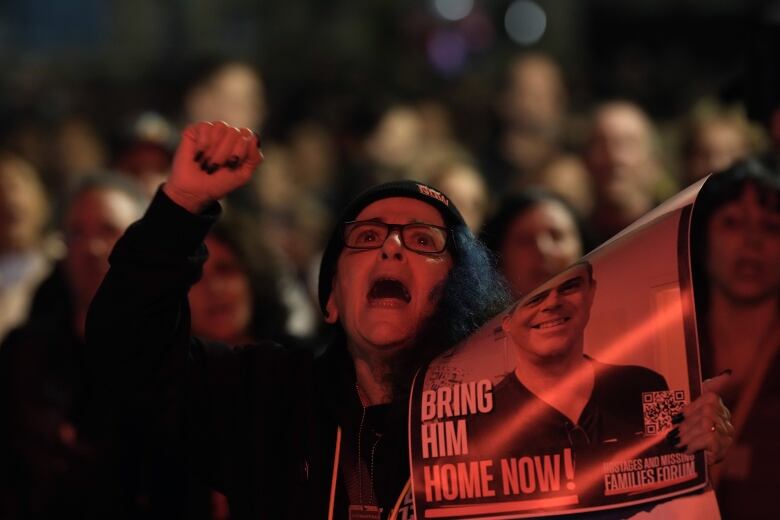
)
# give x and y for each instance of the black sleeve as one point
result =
(141, 355)
(139, 319)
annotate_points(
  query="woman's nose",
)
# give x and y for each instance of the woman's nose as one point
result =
(393, 245)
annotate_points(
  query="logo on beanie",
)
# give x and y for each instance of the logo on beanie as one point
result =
(425, 190)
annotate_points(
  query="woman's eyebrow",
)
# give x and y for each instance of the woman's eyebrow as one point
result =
(381, 220)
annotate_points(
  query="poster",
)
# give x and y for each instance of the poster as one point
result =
(563, 402)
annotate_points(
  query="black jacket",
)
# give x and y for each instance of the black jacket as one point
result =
(257, 422)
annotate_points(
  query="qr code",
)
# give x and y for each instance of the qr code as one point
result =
(659, 408)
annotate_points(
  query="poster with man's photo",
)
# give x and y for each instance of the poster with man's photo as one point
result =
(564, 403)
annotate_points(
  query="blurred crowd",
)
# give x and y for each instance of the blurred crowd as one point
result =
(543, 188)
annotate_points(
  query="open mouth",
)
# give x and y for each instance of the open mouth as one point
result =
(389, 290)
(551, 323)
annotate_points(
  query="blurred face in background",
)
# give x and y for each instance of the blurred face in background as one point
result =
(620, 153)
(94, 222)
(235, 95)
(396, 140)
(23, 206)
(221, 302)
(466, 188)
(743, 258)
(540, 242)
(313, 152)
(535, 93)
(80, 150)
(716, 146)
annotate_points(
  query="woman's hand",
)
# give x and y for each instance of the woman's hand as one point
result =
(706, 423)
(212, 160)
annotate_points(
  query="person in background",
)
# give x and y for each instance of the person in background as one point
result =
(79, 150)
(534, 235)
(227, 90)
(314, 163)
(532, 108)
(568, 177)
(436, 121)
(451, 170)
(533, 142)
(294, 225)
(394, 143)
(237, 300)
(736, 273)
(145, 152)
(715, 139)
(623, 159)
(57, 465)
(26, 251)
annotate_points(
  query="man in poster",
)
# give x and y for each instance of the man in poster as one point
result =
(559, 397)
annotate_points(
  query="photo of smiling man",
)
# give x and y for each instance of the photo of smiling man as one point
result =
(579, 400)
(558, 396)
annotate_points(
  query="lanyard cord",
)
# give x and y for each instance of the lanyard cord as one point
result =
(336, 464)
(358, 460)
(335, 476)
(403, 498)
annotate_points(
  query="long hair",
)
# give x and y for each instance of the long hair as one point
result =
(472, 293)
(719, 190)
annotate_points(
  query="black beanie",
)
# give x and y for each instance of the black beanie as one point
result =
(409, 189)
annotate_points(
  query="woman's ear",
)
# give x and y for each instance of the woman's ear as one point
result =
(331, 310)
(505, 323)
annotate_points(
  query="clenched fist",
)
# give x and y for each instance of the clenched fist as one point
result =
(212, 160)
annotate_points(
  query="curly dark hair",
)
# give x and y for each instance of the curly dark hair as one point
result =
(473, 292)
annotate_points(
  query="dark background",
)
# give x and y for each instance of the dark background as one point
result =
(112, 59)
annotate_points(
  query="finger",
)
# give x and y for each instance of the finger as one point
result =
(225, 149)
(729, 428)
(192, 141)
(717, 384)
(704, 424)
(205, 139)
(241, 148)
(706, 428)
(252, 156)
(702, 416)
(705, 442)
(211, 141)
(715, 444)
(705, 400)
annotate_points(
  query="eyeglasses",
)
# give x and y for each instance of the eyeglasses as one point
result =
(417, 237)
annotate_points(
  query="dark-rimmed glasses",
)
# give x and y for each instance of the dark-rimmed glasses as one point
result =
(415, 236)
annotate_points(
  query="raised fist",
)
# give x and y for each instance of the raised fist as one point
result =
(212, 160)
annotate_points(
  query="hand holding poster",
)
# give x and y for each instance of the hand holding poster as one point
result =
(567, 402)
